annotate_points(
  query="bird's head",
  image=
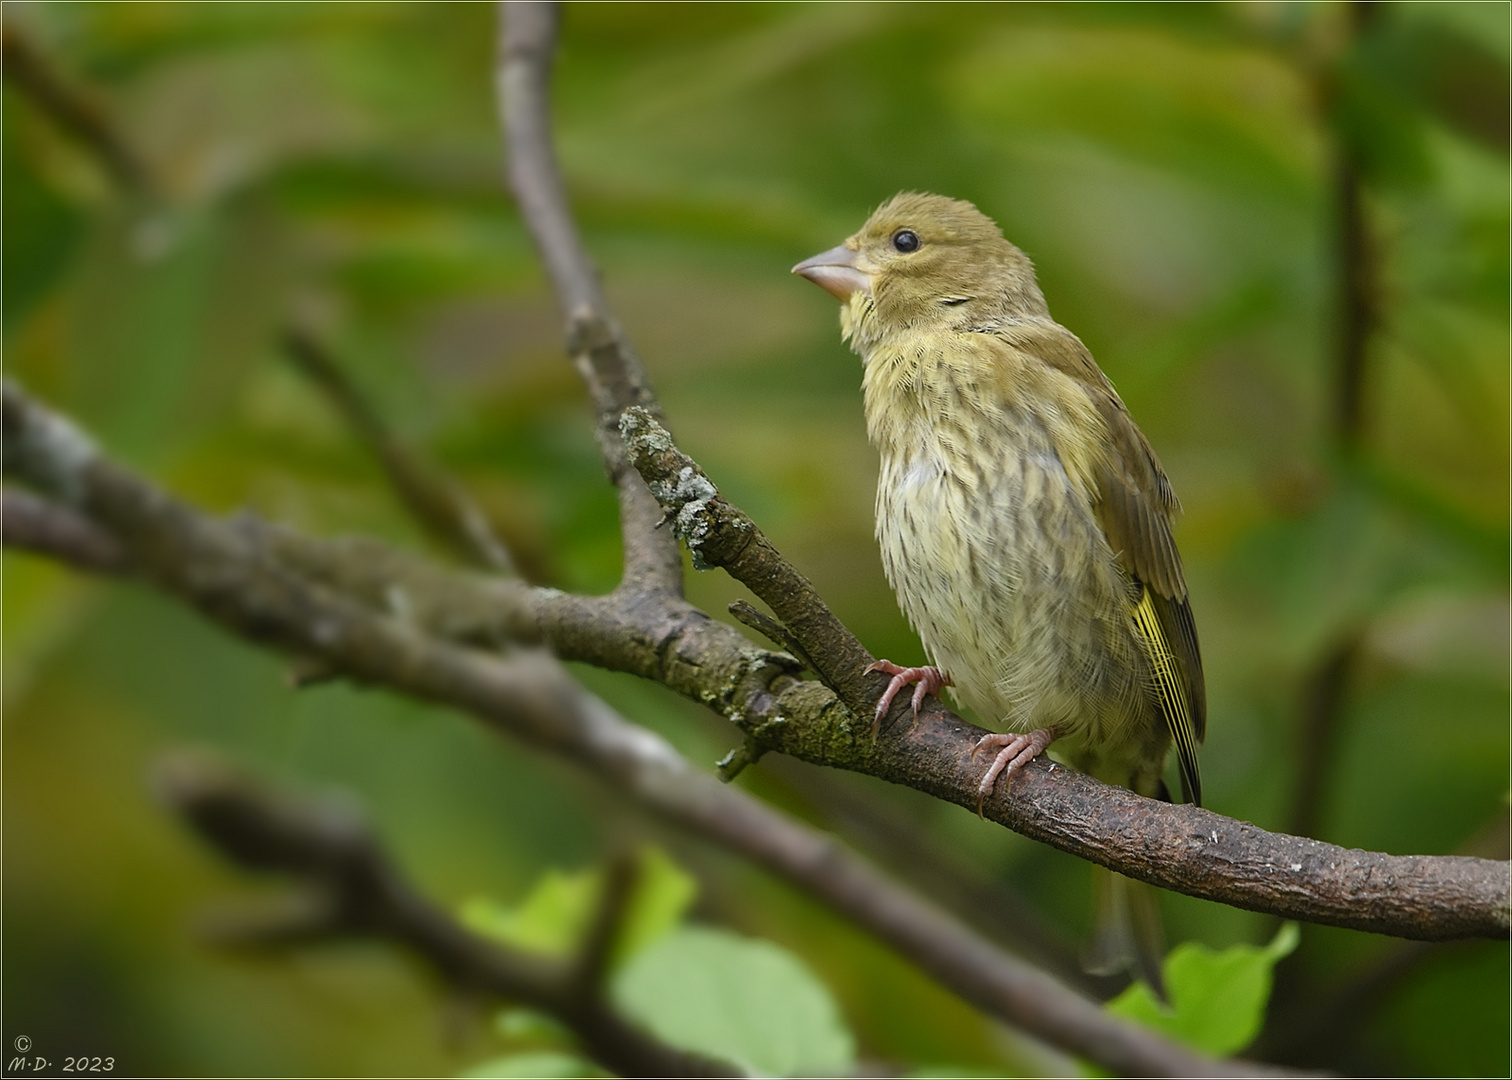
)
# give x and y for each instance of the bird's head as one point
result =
(922, 262)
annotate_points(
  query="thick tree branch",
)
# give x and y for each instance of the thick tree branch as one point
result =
(332, 850)
(239, 574)
(1182, 848)
(230, 573)
(599, 347)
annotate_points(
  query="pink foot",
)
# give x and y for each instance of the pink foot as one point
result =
(1013, 751)
(930, 680)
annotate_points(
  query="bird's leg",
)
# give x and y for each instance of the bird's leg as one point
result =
(929, 679)
(1013, 750)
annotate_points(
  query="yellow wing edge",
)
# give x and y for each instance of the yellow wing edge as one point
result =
(1171, 694)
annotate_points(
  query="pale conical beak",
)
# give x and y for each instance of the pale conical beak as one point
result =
(836, 272)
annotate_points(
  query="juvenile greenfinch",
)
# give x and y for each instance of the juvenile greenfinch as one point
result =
(1024, 522)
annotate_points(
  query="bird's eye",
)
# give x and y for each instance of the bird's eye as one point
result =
(906, 240)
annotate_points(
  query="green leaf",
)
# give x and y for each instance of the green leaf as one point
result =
(528, 1025)
(1217, 998)
(552, 918)
(544, 1064)
(556, 913)
(663, 894)
(745, 1001)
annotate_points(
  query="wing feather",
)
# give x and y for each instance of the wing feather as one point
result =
(1135, 507)
(1184, 712)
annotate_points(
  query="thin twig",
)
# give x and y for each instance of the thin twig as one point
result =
(1325, 699)
(771, 629)
(599, 347)
(436, 503)
(607, 927)
(1359, 307)
(330, 847)
(72, 110)
(719, 534)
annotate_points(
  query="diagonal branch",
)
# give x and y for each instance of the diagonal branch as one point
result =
(233, 573)
(718, 534)
(28, 69)
(599, 347)
(229, 572)
(331, 848)
(902, 843)
(1182, 848)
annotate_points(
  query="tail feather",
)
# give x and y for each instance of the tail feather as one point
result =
(1126, 934)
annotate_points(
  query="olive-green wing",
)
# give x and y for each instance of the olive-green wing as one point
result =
(1135, 508)
(1135, 513)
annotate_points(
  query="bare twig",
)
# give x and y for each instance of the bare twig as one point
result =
(72, 110)
(332, 849)
(771, 629)
(603, 354)
(604, 932)
(1359, 313)
(1325, 698)
(436, 503)
(234, 575)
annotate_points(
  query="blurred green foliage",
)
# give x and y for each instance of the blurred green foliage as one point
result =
(1172, 171)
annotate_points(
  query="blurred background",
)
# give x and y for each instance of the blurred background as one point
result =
(1281, 228)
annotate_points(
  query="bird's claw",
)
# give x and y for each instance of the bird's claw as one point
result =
(929, 679)
(1013, 750)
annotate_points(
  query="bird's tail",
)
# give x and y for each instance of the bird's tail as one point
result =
(1126, 933)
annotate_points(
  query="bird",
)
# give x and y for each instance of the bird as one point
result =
(1025, 524)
